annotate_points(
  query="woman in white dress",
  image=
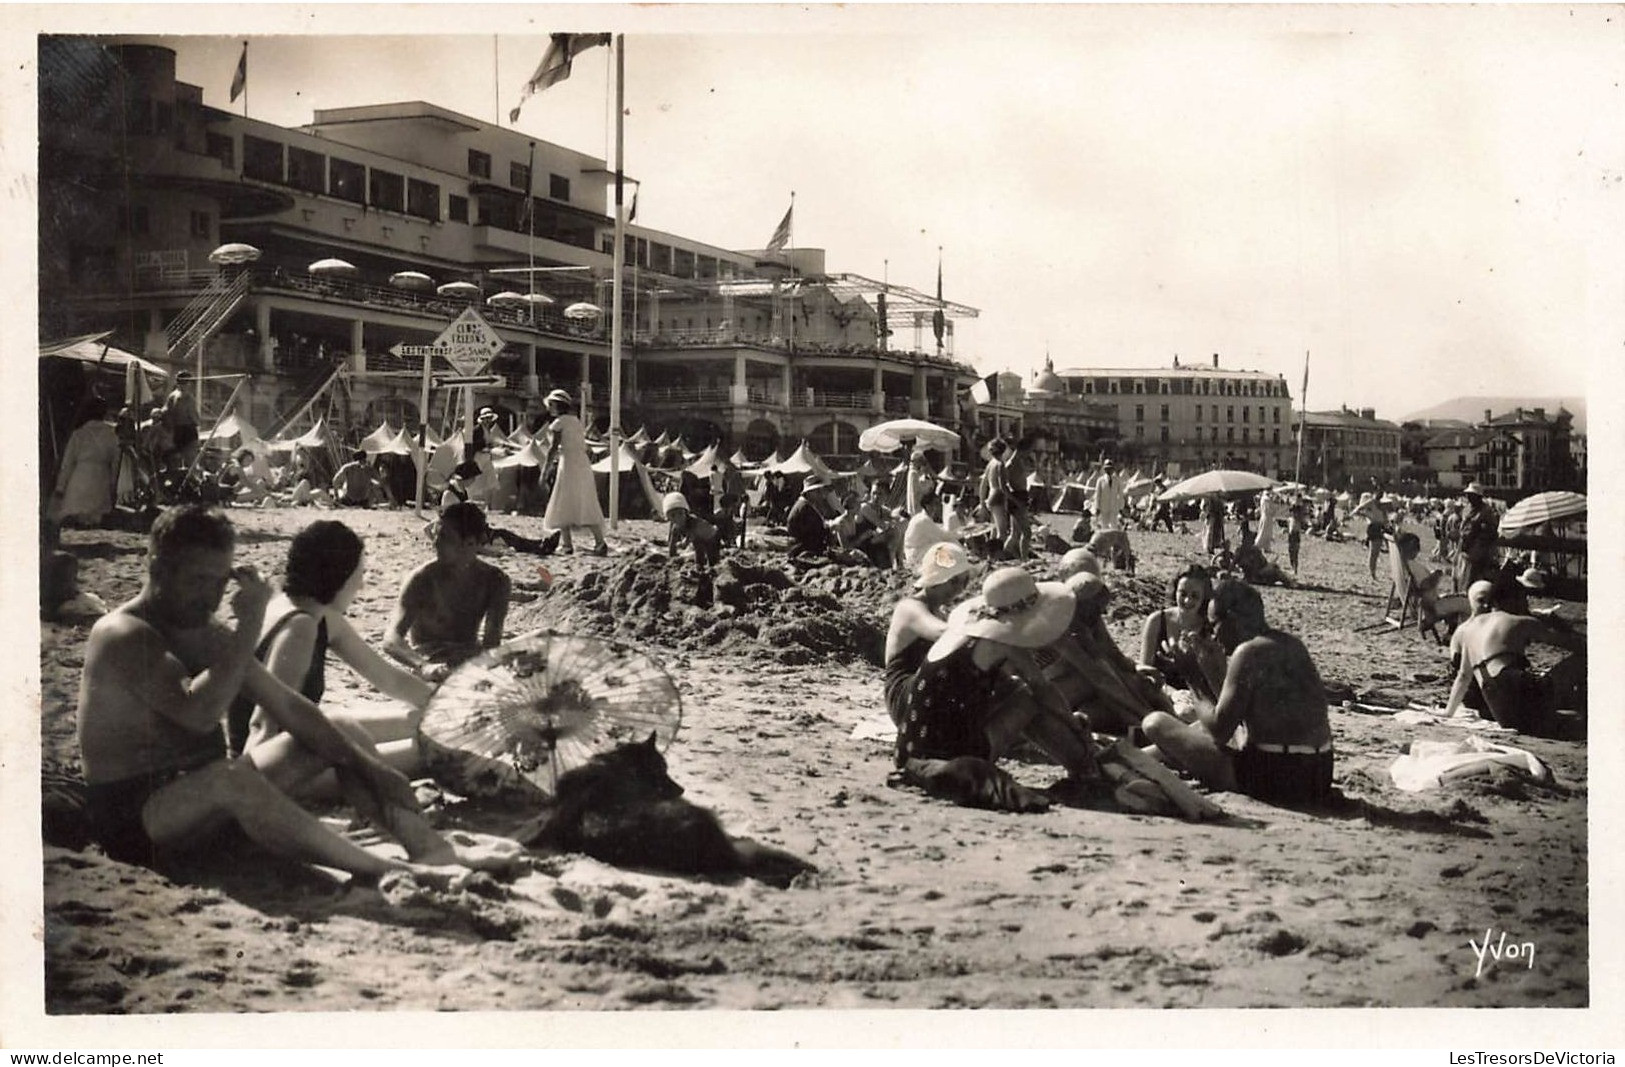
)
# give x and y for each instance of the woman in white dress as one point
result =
(84, 482)
(573, 501)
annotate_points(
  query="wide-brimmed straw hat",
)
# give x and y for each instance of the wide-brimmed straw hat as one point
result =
(488, 413)
(814, 482)
(1015, 610)
(943, 562)
(1534, 578)
(558, 396)
(1473, 489)
(673, 502)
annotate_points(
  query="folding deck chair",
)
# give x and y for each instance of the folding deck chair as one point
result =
(1413, 593)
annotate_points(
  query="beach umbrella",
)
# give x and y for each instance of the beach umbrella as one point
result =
(545, 703)
(331, 266)
(889, 436)
(458, 289)
(506, 298)
(229, 255)
(411, 279)
(1217, 482)
(537, 299)
(581, 310)
(1544, 507)
(1139, 485)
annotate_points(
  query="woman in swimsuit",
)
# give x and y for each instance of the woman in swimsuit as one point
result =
(325, 570)
(919, 620)
(1172, 633)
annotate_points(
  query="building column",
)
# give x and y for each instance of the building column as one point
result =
(878, 389)
(533, 383)
(739, 393)
(789, 381)
(155, 344)
(358, 354)
(262, 331)
(918, 405)
(585, 386)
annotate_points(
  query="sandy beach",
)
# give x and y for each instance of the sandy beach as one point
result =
(916, 903)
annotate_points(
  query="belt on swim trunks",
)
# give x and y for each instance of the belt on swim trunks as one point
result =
(1297, 750)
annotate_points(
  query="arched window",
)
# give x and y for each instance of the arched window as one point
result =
(834, 439)
(761, 438)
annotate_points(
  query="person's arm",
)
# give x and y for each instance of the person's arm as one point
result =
(407, 606)
(1231, 709)
(1464, 675)
(1151, 639)
(496, 610)
(288, 658)
(381, 674)
(918, 622)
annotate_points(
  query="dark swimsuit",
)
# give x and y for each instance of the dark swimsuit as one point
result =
(1284, 777)
(1515, 698)
(241, 719)
(900, 672)
(948, 706)
(1163, 662)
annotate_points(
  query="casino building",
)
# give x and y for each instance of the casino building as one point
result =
(140, 182)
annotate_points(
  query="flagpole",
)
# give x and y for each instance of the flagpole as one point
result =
(619, 261)
(791, 240)
(1303, 420)
(245, 79)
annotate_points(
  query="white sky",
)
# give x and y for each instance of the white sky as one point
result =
(1428, 200)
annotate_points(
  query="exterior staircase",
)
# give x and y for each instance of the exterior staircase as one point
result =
(205, 314)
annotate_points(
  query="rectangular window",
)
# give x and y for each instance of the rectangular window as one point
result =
(1199, 413)
(386, 191)
(1139, 412)
(347, 180)
(223, 148)
(307, 170)
(262, 159)
(457, 208)
(1246, 414)
(558, 187)
(1139, 433)
(201, 224)
(659, 257)
(1213, 433)
(682, 263)
(1230, 433)
(1165, 413)
(1275, 437)
(1246, 435)
(1277, 418)
(519, 175)
(1230, 413)
(1165, 435)
(479, 163)
(423, 199)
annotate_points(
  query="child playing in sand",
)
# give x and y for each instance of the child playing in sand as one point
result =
(687, 528)
(454, 605)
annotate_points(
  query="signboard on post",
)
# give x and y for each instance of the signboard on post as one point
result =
(469, 343)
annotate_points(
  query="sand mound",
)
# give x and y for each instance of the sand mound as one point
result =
(752, 606)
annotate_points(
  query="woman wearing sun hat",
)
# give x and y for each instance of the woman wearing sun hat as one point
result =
(574, 499)
(920, 618)
(979, 689)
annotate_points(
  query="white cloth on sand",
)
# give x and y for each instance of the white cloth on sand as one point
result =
(1430, 764)
(574, 499)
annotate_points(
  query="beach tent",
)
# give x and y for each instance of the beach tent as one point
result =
(446, 458)
(377, 441)
(315, 437)
(530, 455)
(231, 430)
(738, 459)
(663, 440)
(701, 467)
(805, 461)
(631, 507)
(639, 439)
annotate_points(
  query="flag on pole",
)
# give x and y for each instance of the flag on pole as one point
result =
(632, 212)
(1303, 397)
(781, 235)
(555, 65)
(527, 213)
(938, 319)
(239, 80)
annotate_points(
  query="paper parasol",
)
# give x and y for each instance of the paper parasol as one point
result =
(547, 702)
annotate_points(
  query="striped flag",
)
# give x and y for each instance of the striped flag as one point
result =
(555, 65)
(781, 235)
(239, 80)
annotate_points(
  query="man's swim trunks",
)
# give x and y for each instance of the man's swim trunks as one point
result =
(114, 809)
(1284, 777)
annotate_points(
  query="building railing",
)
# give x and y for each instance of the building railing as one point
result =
(819, 398)
(703, 394)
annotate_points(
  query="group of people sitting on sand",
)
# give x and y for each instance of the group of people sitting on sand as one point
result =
(1216, 692)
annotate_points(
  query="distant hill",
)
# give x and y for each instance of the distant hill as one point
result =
(1471, 408)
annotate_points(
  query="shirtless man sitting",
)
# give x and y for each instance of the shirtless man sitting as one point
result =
(160, 672)
(453, 606)
(1272, 688)
(1490, 647)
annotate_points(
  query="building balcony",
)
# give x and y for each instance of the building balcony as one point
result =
(819, 398)
(701, 395)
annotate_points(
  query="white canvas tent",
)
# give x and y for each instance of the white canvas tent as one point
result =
(315, 437)
(378, 441)
(628, 463)
(232, 427)
(530, 455)
(805, 461)
(701, 467)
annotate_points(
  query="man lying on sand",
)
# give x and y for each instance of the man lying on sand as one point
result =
(1490, 648)
(1272, 688)
(160, 672)
(454, 605)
